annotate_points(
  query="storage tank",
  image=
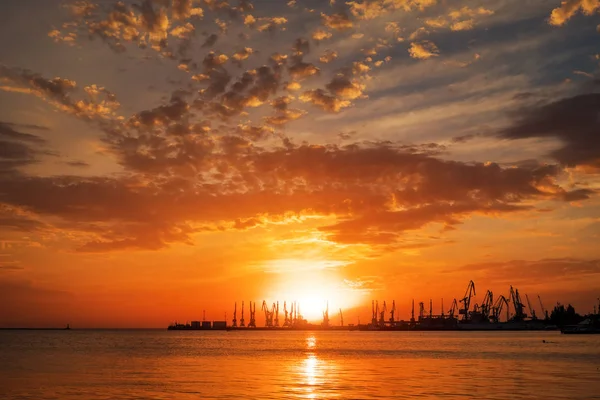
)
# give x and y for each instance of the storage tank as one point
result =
(195, 324)
(205, 324)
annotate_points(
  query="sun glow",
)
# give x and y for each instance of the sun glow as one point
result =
(314, 289)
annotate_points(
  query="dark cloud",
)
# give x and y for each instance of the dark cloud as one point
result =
(384, 227)
(574, 121)
(12, 219)
(464, 138)
(10, 266)
(210, 41)
(7, 131)
(20, 224)
(18, 149)
(78, 164)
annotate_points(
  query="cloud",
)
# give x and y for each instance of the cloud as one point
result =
(568, 8)
(573, 121)
(13, 219)
(328, 56)
(321, 34)
(465, 25)
(384, 227)
(301, 70)
(208, 157)
(59, 92)
(19, 149)
(7, 131)
(340, 21)
(10, 266)
(423, 50)
(377, 192)
(371, 9)
(144, 24)
(346, 88)
(78, 164)
(325, 101)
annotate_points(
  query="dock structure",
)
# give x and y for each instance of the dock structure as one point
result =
(462, 315)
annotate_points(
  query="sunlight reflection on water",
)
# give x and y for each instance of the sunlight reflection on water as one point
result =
(297, 365)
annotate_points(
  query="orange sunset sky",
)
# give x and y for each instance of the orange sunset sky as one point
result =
(163, 157)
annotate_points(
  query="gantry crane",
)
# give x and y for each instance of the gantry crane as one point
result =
(252, 308)
(486, 306)
(393, 312)
(374, 311)
(268, 315)
(382, 314)
(286, 321)
(517, 304)
(531, 310)
(326, 316)
(442, 307)
(453, 308)
(234, 321)
(466, 300)
(276, 314)
(497, 309)
(242, 322)
(341, 318)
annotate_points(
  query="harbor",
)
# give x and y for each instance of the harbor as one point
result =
(501, 313)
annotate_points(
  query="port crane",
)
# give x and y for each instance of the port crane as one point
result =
(275, 312)
(543, 309)
(430, 308)
(341, 318)
(466, 300)
(393, 312)
(326, 316)
(234, 321)
(442, 307)
(252, 323)
(268, 314)
(453, 308)
(382, 314)
(486, 305)
(375, 310)
(517, 304)
(531, 310)
(286, 321)
(242, 322)
(497, 309)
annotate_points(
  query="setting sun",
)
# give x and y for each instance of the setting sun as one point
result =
(313, 285)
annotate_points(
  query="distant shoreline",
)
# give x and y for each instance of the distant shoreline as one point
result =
(35, 329)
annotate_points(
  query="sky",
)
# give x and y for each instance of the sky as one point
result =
(161, 159)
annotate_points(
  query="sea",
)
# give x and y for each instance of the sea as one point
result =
(161, 364)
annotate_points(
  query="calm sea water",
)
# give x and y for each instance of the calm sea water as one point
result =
(297, 365)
